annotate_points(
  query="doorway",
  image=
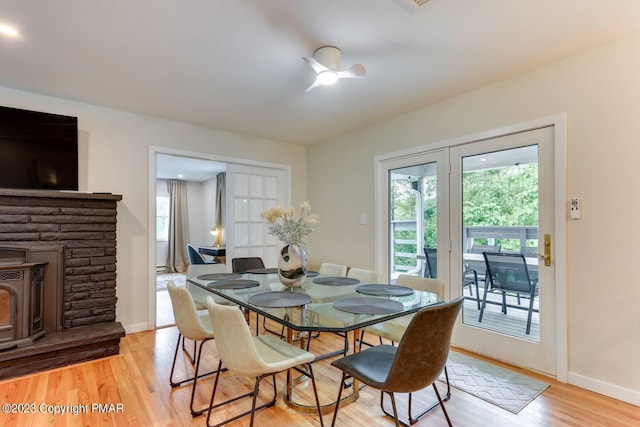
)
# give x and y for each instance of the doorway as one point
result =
(276, 191)
(453, 165)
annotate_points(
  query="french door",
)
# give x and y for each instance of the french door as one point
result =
(460, 184)
(502, 201)
(251, 190)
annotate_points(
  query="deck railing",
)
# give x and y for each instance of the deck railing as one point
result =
(413, 263)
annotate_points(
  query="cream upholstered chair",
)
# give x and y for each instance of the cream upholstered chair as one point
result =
(394, 329)
(191, 326)
(413, 365)
(332, 270)
(365, 276)
(247, 355)
(200, 295)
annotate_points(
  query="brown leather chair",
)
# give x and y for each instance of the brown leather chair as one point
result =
(415, 363)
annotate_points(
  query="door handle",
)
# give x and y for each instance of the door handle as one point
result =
(547, 250)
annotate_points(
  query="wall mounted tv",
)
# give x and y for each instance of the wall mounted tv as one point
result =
(38, 150)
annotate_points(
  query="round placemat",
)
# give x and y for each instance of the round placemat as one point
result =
(233, 284)
(263, 270)
(336, 281)
(394, 290)
(218, 276)
(279, 299)
(368, 305)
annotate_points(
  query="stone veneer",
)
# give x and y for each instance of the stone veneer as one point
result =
(84, 225)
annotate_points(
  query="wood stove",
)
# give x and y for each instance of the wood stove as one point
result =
(21, 299)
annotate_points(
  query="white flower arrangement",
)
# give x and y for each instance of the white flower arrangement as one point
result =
(288, 228)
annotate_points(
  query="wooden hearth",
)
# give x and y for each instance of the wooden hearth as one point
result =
(75, 234)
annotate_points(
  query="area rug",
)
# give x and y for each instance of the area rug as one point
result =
(501, 387)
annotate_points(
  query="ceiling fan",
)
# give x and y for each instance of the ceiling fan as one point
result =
(326, 63)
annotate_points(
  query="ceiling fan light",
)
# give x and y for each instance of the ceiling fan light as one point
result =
(327, 77)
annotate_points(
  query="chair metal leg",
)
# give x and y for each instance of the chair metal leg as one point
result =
(335, 411)
(393, 406)
(447, 396)
(252, 393)
(530, 311)
(198, 412)
(446, 415)
(484, 303)
(173, 365)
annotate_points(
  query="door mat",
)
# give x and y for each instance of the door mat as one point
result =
(501, 387)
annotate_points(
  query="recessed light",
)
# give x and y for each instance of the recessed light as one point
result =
(180, 176)
(8, 30)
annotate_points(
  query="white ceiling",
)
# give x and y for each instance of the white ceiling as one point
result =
(186, 168)
(237, 65)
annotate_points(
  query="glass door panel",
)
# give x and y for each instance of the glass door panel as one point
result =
(500, 215)
(501, 210)
(413, 219)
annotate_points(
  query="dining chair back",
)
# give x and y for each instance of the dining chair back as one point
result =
(242, 264)
(507, 273)
(365, 276)
(247, 355)
(332, 270)
(394, 329)
(200, 295)
(195, 257)
(415, 363)
(190, 326)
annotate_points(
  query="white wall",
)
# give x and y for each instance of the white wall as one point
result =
(113, 158)
(599, 91)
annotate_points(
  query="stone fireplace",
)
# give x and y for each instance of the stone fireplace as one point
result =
(64, 245)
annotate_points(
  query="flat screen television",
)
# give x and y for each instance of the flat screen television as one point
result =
(38, 150)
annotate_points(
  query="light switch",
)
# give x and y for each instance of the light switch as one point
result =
(363, 218)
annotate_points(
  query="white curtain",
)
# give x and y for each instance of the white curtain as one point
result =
(220, 208)
(178, 227)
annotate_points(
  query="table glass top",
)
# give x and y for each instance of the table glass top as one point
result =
(319, 314)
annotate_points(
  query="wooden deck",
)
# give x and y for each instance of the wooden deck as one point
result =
(513, 323)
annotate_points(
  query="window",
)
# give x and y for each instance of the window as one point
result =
(162, 218)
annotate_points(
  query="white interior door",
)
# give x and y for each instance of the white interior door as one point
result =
(251, 190)
(507, 155)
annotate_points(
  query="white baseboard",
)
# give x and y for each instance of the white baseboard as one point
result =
(138, 327)
(607, 389)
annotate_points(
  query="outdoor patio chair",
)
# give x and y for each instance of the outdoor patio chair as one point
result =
(508, 273)
(472, 277)
(431, 262)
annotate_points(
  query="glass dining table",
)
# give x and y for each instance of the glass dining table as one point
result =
(322, 304)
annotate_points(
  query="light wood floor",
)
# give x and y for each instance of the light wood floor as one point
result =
(137, 379)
